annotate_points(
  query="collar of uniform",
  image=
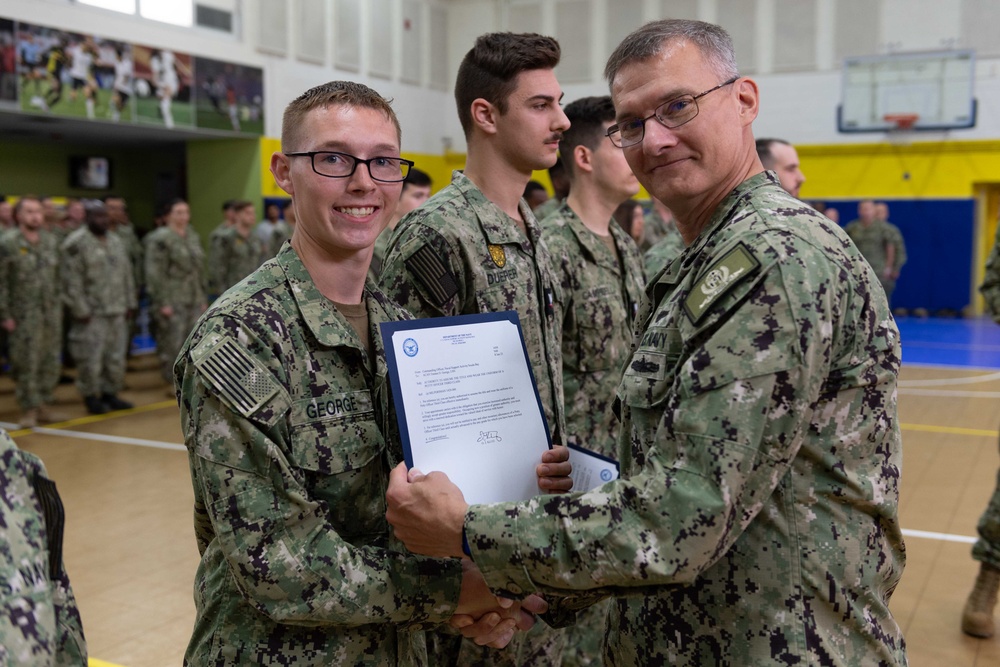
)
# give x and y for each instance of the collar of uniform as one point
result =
(728, 206)
(589, 241)
(498, 227)
(723, 213)
(326, 323)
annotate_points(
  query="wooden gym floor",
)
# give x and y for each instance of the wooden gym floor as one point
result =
(131, 555)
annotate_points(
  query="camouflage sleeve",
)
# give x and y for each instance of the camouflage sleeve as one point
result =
(199, 267)
(218, 263)
(990, 288)
(730, 424)
(278, 543)
(73, 288)
(900, 245)
(39, 619)
(128, 275)
(423, 273)
(156, 268)
(137, 256)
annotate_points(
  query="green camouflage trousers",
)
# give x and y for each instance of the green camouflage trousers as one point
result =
(987, 547)
(98, 347)
(34, 357)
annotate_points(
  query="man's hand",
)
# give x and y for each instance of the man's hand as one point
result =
(167, 311)
(489, 620)
(554, 470)
(427, 512)
(9, 324)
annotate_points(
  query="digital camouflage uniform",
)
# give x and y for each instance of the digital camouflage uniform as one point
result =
(547, 208)
(895, 240)
(599, 302)
(231, 258)
(291, 440)
(378, 253)
(98, 287)
(282, 233)
(133, 248)
(756, 519)
(873, 241)
(663, 252)
(654, 228)
(460, 254)
(174, 270)
(601, 294)
(987, 547)
(39, 620)
(30, 295)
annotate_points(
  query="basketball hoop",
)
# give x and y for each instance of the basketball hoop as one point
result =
(902, 126)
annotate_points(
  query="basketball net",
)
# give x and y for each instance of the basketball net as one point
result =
(901, 132)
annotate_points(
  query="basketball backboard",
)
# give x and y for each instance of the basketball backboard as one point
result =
(934, 85)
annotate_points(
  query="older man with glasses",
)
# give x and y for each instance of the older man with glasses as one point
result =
(755, 521)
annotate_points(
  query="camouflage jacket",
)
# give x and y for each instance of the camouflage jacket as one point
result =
(756, 519)
(133, 248)
(896, 240)
(654, 228)
(874, 240)
(547, 208)
(378, 253)
(291, 439)
(174, 268)
(29, 275)
(97, 275)
(663, 252)
(39, 619)
(601, 293)
(459, 254)
(231, 258)
(990, 288)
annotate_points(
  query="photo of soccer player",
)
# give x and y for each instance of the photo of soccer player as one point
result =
(163, 86)
(228, 96)
(66, 73)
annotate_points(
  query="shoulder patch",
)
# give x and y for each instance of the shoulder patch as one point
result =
(433, 273)
(736, 265)
(241, 380)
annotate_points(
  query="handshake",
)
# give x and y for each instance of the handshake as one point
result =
(427, 513)
(489, 620)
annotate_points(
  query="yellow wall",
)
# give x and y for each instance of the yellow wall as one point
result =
(919, 170)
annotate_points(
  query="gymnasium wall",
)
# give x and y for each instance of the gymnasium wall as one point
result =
(43, 169)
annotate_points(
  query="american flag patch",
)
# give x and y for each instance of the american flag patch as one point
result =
(240, 379)
(434, 274)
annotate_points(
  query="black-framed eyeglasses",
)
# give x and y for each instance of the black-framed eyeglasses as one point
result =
(672, 113)
(342, 165)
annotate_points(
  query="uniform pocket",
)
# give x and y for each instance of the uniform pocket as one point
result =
(343, 464)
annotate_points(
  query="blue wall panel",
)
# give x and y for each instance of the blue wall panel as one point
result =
(939, 236)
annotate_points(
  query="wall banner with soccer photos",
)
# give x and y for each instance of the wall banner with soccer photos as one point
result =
(51, 71)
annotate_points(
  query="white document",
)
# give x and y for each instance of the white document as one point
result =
(467, 404)
(590, 470)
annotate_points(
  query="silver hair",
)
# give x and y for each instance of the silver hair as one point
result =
(645, 42)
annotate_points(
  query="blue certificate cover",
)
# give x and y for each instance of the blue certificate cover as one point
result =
(467, 403)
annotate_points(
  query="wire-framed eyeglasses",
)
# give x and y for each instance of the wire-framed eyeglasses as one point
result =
(342, 165)
(672, 113)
